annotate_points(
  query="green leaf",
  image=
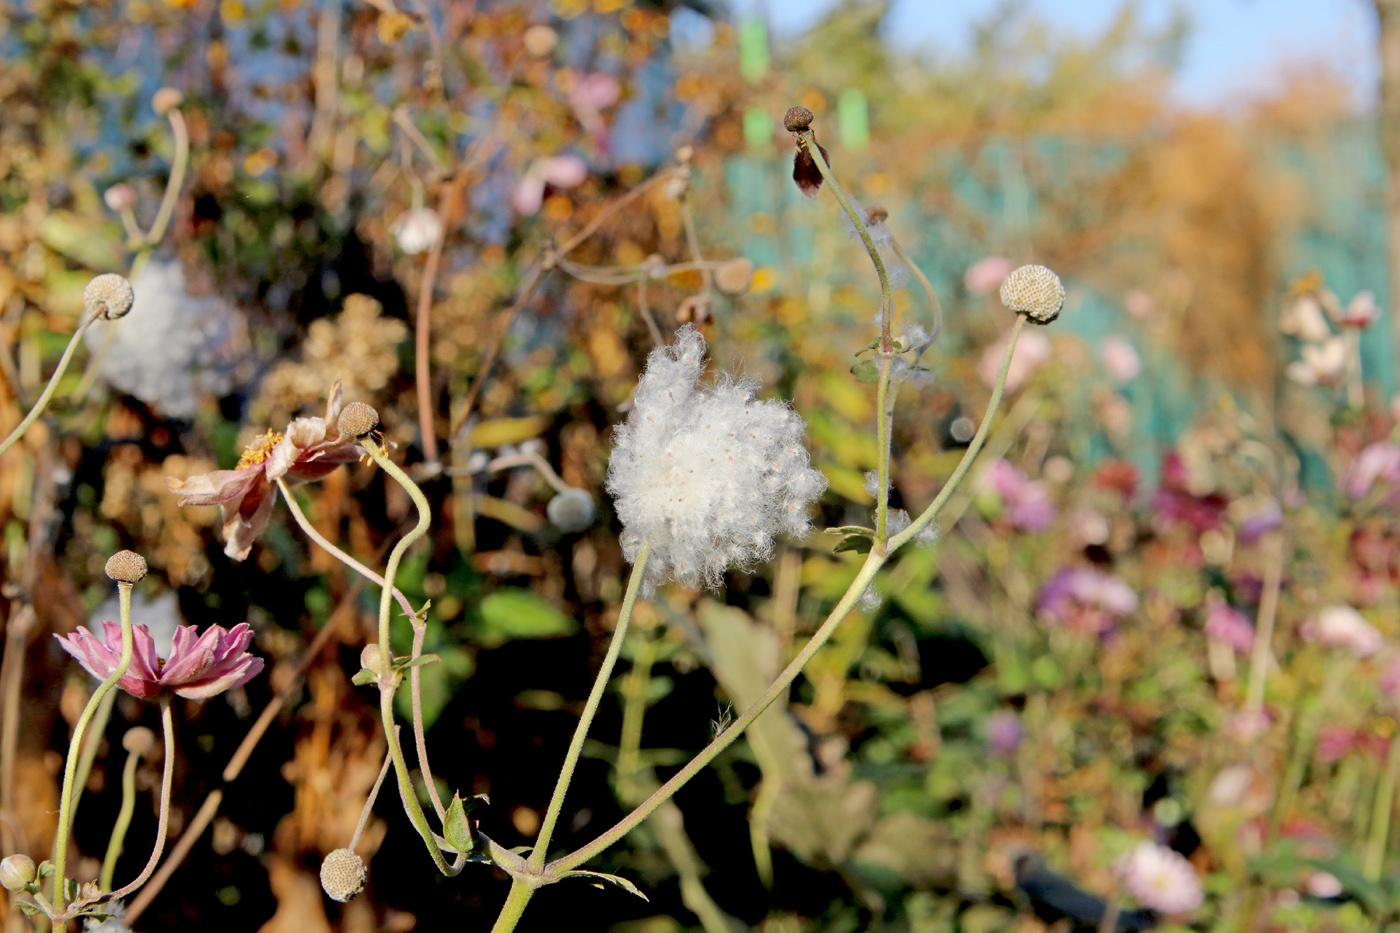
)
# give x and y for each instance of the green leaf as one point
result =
(455, 828)
(510, 614)
(622, 883)
(866, 372)
(849, 530)
(419, 661)
(364, 676)
(858, 543)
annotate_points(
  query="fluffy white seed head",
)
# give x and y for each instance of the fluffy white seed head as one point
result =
(706, 474)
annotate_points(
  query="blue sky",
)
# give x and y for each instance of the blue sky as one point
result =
(1237, 47)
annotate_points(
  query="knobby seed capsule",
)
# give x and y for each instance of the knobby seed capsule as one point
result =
(109, 294)
(126, 567)
(342, 875)
(1034, 291)
(358, 419)
(797, 119)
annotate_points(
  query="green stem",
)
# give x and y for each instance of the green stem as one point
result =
(167, 725)
(595, 696)
(1382, 814)
(174, 183)
(874, 561)
(43, 402)
(65, 801)
(114, 844)
(96, 730)
(930, 513)
(520, 893)
(882, 426)
(634, 707)
(925, 284)
(406, 791)
(381, 457)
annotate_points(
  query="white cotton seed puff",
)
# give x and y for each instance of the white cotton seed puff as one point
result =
(706, 474)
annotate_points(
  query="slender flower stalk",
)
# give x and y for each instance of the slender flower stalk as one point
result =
(163, 822)
(137, 742)
(47, 394)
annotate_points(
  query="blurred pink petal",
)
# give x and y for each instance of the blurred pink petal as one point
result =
(986, 274)
(1120, 359)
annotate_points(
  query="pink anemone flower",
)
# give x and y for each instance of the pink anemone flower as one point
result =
(309, 450)
(200, 665)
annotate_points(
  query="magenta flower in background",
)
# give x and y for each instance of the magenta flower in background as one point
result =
(1085, 600)
(1343, 627)
(1161, 879)
(1378, 462)
(1028, 503)
(1176, 503)
(309, 450)
(200, 665)
(1226, 623)
(1004, 733)
(1268, 517)
(1334, 742)
(986, 274)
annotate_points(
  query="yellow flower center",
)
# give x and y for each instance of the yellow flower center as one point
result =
(259, 450)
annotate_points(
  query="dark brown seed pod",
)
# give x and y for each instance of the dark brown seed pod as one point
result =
(797, 119)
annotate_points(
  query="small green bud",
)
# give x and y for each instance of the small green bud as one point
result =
(16, 872)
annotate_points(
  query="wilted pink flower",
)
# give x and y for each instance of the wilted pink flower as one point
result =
(1120, 358)
(1361, 311)
(1226, 623)
(1161, 879)
(1343, 627)
(1376, 462)
(309, 450)
(986, 274)
(1028, 504)
(199, 666)
(1085, 600)
(566, 171)
(1032, 350)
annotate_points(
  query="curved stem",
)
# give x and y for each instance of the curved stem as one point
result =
(96, 730)
(924, 283)
(590, 709)
(128, 807)
(381, 457)
(65, 803)
(176, 180)
(873, 562)
(167, 725)
(406, 792)
(369, 802)
(930, 513)
(421, 344)
(334, 551)
(43, 401)
(420, 740)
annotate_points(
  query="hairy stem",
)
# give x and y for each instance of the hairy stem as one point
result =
(119, 828)
(47, 395)
(163, 823)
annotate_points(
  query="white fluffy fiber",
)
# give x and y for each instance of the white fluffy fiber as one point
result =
(706, 474)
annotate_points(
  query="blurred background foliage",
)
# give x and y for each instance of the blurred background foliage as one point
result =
(591, 164)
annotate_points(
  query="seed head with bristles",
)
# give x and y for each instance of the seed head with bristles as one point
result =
(797, 119)
(110, 295)
(343, 875)
(1034, 291)
(126, 567)
(358, 419)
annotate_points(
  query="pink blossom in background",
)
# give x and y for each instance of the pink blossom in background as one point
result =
(1028, 503)
(566, 171)
(1343, 627)
(1379, 462)
(1266, 518)
(986, 274)
(1176, 503)
(1334, 742)
(1032, 351)
(591, 94)
(1324, 885)
(1139, 304)
(1361, 311)
(1246, 726)
(1085, 600)
(1004, 733)
(1120, 358)
(200, 665)
(1161, 879)
(1226, 623)
(1390, 679)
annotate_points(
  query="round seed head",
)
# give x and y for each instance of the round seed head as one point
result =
(735, 276)
(1034, 291)
(139, 740)
(875, 214)
(166, 100)
(110, 294)
(120, 197)
(126, 567)
(358, 419)
(572, 510)
(342, 875)
(16, 872)
(369, 657)
(797, 119)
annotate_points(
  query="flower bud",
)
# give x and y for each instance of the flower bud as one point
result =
(120, 197)
(369, 657)
(110, 294)
(797, 119)
(342, 875)
(126, 567)
(735, 276)
(572, 510)
(1034, 291)
(139, 740)
(16, 872)
(166, 100)
(357, 419)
